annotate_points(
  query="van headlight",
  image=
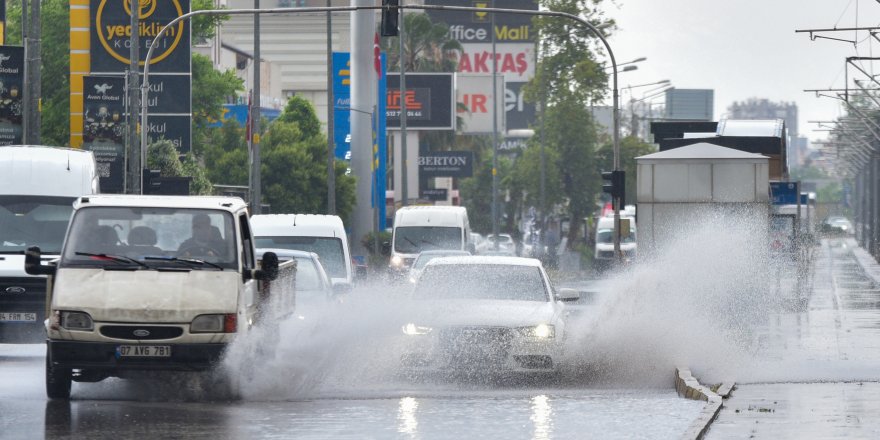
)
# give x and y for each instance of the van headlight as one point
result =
(396, 261)
(207, 324)
(415, 330)
(76, 321)
(540, 331)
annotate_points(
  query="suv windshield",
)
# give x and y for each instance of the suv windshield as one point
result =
(481, 281)
(154, 235)
(329, 250)
(33, 221)
(415, 239)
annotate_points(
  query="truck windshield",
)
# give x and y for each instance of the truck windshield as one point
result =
(329, 250)
(33, 221)
(415, 239)
(158, 236)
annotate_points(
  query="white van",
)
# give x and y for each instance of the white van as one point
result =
(604, 255)
(37, 188)
(150, 283)
(425, 228)
(322, 234)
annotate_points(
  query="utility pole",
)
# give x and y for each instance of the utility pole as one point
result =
(133, 164)
(331, 108)
(256, 163)
(404, 187)
(26, 101)
(34, 58)
(494, 135)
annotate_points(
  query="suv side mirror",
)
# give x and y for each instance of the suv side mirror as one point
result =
(566, 294)
(33, 263)
(386, 248)
(268, 268)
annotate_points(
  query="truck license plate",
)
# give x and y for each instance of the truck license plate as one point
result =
(18, 317)
(143, 351)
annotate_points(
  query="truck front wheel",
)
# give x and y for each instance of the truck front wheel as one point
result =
(57, 379)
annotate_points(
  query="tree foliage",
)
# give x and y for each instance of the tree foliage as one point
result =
(294, 162)
(427, 46)
(163, 156)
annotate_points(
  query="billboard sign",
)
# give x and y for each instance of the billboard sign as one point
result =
(784, 193)
(104, 128)
(111, 30)
(475, 27)
(429, 101)
(474, 100)
(446, 164)
(515, 61)
(11, 94)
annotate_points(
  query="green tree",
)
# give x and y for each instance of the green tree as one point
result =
(631, 147)
(211, 89)
(163, 156)
(427, 46)
(294, 162)
(569, 76)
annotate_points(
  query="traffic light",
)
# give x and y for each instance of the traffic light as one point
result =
(389, 17)
(614, 185)
(152, 183)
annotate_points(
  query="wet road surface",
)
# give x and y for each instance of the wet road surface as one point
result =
(819, 370)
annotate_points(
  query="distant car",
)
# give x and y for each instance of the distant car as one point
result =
(313, 289)
(480, 243)
(840, 225)
(426, 256)
(506, 245)
(484, 315)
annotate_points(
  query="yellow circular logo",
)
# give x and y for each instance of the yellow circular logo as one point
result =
(147, 30)
(146, 7)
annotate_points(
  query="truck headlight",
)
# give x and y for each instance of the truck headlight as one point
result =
(76, 321)
(540, 331)
(415, 330)
(214, 324)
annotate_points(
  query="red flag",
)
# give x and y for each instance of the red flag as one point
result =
(377, 55)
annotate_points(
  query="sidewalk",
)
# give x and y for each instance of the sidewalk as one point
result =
(817, 373)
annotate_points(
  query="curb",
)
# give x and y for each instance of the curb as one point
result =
(865, 260)
(688, 387)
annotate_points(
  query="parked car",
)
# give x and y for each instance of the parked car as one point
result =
(506, 245)
(838, 225)
(484, 315)
(312, 286)
(427, 256)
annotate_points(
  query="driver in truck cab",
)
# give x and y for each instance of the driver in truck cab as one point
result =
(205, 240)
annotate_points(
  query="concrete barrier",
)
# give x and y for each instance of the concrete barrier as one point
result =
(687, 386)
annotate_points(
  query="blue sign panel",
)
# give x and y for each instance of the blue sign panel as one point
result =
(239, 112)
(342, 126)
(784, 193)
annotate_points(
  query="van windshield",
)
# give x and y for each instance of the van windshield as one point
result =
(415, 239)
(329, 250)
(152, 235)
(27, 221)
(606, 236)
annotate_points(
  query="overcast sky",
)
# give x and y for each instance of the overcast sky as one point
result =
(745, 48)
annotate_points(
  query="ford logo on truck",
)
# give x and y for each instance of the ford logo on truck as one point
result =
(16, 290)
(141, 333)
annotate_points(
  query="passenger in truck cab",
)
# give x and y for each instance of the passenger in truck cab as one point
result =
(205, 241)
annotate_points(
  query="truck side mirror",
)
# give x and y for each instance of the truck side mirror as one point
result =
(33, 263)
(386, 248)
(268, 269)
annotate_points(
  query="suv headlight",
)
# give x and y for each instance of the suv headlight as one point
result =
(540, 331)
(213, 324)
(76, 321)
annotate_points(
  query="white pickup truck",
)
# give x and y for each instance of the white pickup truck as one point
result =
(149, 283)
